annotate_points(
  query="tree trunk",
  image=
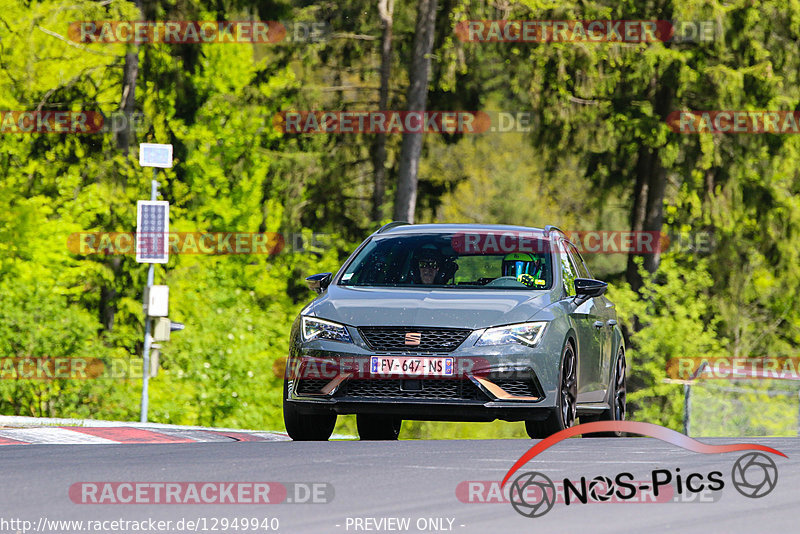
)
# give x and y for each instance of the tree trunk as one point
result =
(386, 10)
(647, 213)
(643, 171)
(124, 137)
(406, 199)
(108, 296)
(654, 216)
(127, 103)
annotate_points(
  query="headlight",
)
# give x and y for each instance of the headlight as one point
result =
(524, 333)
(314, 328)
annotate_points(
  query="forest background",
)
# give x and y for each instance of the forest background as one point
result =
(599, 156)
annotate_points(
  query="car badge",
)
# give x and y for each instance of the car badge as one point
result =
(413, 338)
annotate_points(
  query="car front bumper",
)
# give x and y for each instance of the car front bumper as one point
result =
(508, 382)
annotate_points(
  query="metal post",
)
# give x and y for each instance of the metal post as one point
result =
(687, 407)
(148, 339)
(687, 397)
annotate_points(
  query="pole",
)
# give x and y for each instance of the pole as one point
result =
(148, 339)
(687, 407)
(687, 397)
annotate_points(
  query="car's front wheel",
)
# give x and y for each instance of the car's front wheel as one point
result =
(566, 405)
(307, 427)
(378, 427)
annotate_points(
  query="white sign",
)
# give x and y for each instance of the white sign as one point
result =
(155, 155)
(152, 231)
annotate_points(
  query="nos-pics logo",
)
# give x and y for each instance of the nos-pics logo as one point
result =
(533, 494)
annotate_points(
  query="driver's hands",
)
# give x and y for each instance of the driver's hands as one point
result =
(526, 279)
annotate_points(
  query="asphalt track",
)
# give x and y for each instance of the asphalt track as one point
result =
(406, 479)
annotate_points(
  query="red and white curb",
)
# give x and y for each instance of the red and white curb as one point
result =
(32, 431)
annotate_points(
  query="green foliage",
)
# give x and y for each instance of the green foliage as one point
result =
(744, 408)
(593, 108)
(675, 321)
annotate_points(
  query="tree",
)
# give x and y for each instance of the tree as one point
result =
(406, 197)
(386, 11)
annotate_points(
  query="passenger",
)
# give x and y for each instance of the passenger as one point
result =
(526, 268)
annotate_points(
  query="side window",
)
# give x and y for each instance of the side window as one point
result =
(567, 270)
(580, 265)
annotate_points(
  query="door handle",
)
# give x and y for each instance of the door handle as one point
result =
(598, 324)
(612, 322)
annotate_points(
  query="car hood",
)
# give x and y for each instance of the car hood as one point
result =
(359, 306)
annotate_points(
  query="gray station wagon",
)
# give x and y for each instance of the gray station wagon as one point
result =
(455, 323)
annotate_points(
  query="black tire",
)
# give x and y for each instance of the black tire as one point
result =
(564, 414)
(378, 427)
(617, 400)
(307, 427)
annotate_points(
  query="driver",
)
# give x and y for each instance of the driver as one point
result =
(526, 268)
(428, 265)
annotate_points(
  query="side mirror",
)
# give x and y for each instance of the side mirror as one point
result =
(587, 287)
(319, 282)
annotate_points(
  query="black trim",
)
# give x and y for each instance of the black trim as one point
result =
(391, 225)
(464, 411)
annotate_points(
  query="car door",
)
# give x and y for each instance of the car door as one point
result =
(589, 324)
(607, 313)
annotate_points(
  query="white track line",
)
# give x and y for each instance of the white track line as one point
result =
(53, 436)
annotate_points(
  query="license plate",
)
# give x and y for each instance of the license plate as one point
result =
(410, 366)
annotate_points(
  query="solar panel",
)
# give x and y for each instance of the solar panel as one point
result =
(152, 231)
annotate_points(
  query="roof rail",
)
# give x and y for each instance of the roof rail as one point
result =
(390, 225)
(549, 228)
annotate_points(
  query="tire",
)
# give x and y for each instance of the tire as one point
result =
(563, 416)
(378, 427)
(617, 400)
(307, 427)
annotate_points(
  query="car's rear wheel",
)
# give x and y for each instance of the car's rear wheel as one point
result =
(564, 414)
(617, 401)
(378, 427)
(306, 427)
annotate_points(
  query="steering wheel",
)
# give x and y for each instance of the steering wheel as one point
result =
(506, 281)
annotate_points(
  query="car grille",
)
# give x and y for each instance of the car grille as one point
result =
(428, 389)
(385, 338)
(520, 388)
(313, 386)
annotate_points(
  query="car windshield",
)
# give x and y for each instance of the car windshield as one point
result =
(468, 260)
